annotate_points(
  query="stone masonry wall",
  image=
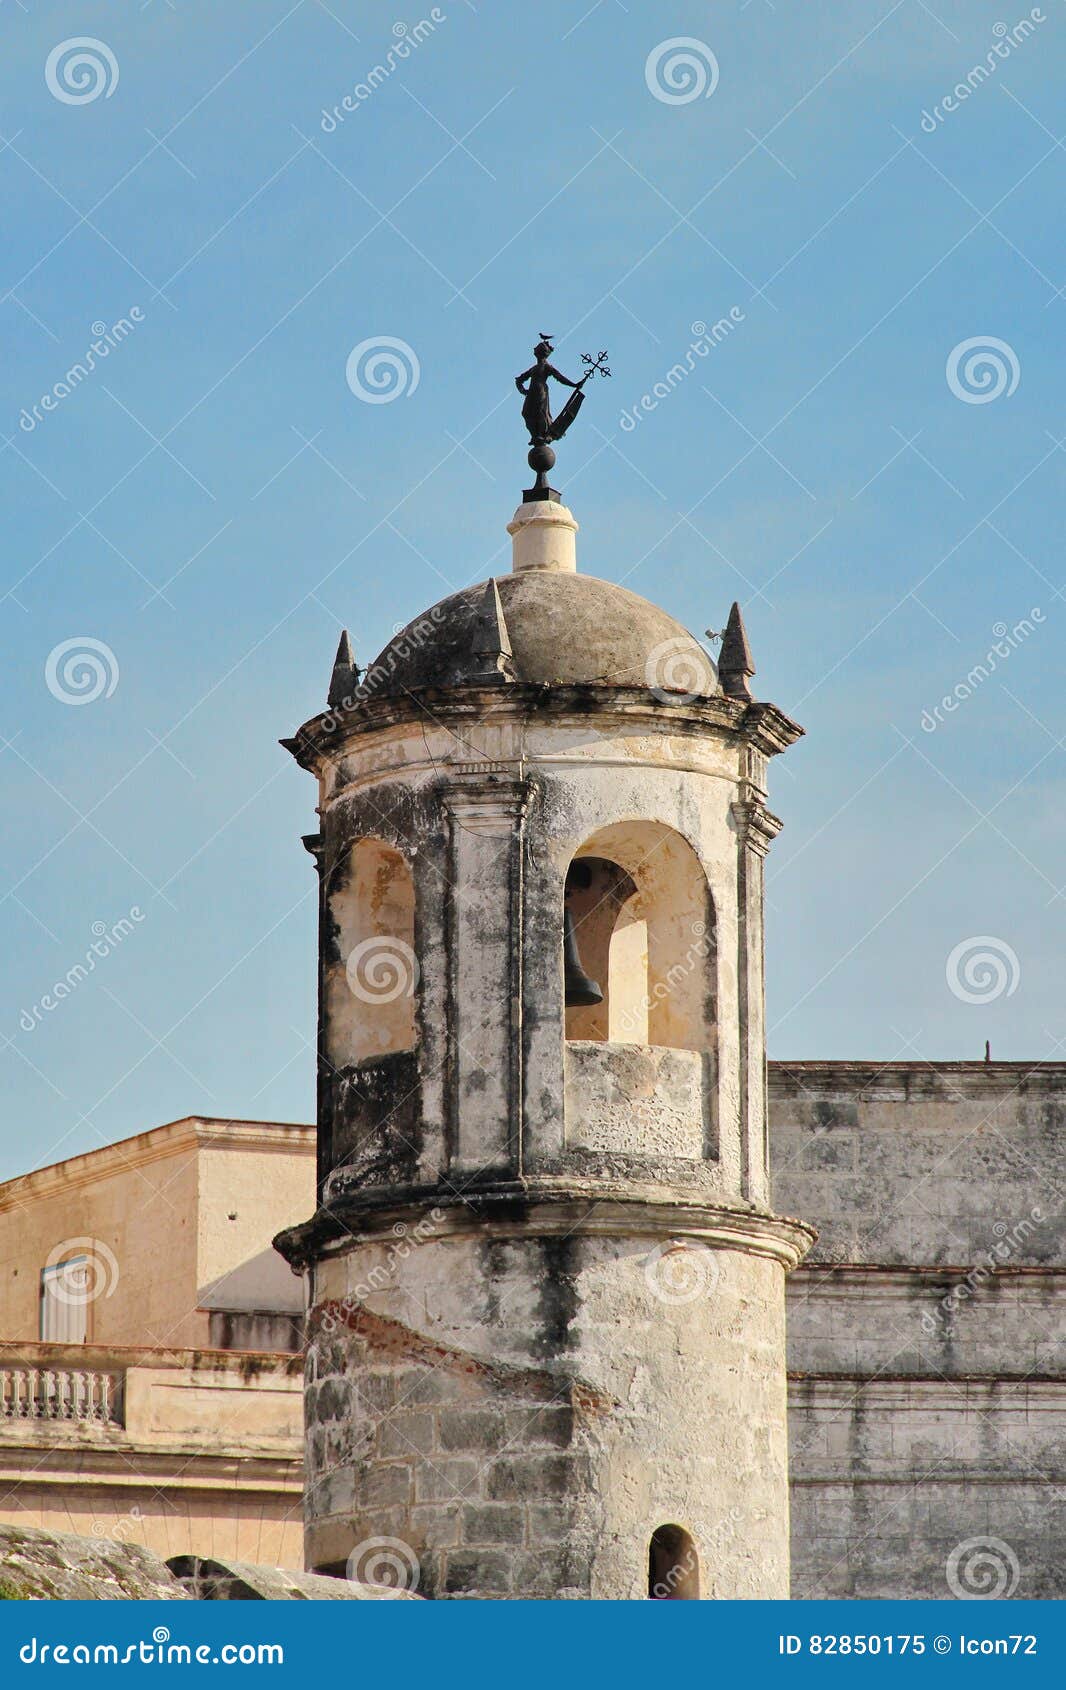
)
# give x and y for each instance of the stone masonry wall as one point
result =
(927, 1333)
(540, 1410)
(401, 1442)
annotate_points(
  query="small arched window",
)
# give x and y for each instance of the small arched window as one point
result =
(673, 1566)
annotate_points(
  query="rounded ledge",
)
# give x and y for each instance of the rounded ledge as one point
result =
(547, 1207)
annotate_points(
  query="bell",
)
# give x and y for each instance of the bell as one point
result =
(579, 990)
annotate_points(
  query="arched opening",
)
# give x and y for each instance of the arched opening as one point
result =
(374, 983)
(673, 1566)
(639, 974)
(641, 920)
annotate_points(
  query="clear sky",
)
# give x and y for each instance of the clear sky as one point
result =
(214, 499)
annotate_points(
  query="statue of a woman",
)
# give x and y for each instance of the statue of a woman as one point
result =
(536, 412)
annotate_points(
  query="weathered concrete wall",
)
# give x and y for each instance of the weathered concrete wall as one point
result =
(928, 1488)
(521, 1414)
(921, 1162)
(927, 1333)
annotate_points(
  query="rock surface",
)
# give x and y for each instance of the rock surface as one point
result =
(238, 1581)
(57, 1567)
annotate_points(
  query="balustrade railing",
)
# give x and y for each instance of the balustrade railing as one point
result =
(52, 1393)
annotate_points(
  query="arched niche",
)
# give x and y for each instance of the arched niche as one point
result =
(673, 1565)
(644, 928)
(373, 988)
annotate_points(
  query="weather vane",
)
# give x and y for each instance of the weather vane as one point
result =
(536, 411)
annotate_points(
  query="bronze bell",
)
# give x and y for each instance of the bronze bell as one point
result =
(579, 990)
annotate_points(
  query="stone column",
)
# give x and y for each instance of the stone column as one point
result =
(486, 812)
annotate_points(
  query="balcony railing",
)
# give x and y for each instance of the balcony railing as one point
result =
(45, 1393)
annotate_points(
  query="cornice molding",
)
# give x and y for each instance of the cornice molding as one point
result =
(552, 1206)
(903, 1082)
(486, 803)
(757, 826)
(191, 1133)
(323, 739)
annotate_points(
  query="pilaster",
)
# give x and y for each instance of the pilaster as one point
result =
(756, 829)
(486, 814)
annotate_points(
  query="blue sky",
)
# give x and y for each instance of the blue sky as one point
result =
(212, 502)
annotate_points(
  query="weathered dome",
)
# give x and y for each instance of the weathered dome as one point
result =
(558, 629)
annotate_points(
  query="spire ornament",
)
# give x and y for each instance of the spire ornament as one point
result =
(735, 662)
(491, 646)
(537, 416)
(345, 677)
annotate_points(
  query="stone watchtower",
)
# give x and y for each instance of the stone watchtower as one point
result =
(546, 1288)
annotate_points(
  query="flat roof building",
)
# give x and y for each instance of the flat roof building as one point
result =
(150, 1375)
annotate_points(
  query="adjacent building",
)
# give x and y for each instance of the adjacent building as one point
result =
(150, 1367)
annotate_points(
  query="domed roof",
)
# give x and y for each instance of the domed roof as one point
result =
(557, 629)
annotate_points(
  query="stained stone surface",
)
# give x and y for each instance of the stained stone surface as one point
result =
(544, 1283)
(54, 1566)
(212, 1580)
(927, 1332)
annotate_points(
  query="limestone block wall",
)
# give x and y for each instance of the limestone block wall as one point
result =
(521, 1415)
(927, 1487)
(927, 1332)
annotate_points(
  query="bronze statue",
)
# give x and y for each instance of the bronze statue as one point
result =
(536, 411)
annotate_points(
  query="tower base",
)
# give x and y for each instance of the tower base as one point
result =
(554, 1399)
